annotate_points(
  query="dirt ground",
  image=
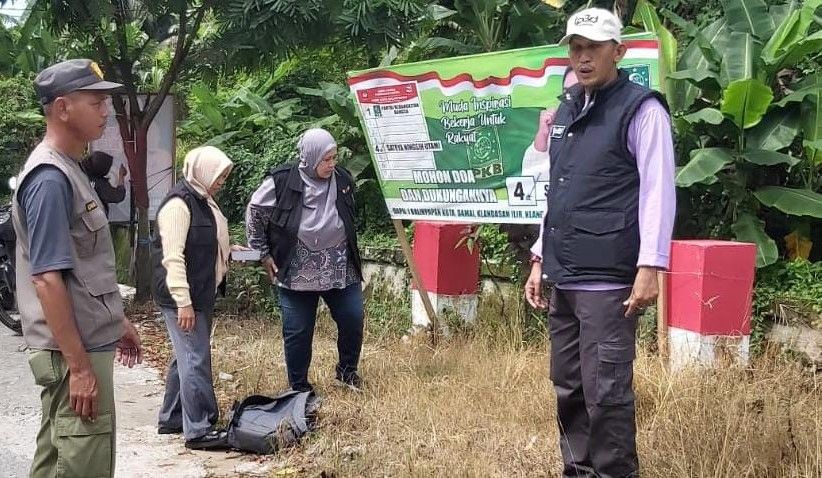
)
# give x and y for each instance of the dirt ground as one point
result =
(141, 452)
(478, 404)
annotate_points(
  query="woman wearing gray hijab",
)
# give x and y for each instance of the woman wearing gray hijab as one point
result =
(301, 219)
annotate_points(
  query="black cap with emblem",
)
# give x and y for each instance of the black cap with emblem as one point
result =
(69, 76)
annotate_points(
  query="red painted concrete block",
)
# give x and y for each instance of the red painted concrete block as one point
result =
(710, 286)
(444, 267)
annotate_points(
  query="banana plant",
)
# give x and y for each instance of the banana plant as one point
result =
(27, 46)
(645, 15)
(749, 115)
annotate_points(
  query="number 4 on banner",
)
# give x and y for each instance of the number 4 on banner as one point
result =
(521, 191)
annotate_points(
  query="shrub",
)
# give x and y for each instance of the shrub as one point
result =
(21, 125)
(795, 287)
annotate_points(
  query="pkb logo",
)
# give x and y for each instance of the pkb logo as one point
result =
(639, 74)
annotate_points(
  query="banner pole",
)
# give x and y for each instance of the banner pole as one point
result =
(662, 317)
(415, 279)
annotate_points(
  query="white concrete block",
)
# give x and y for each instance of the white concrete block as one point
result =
(465, 306)
(687, 348)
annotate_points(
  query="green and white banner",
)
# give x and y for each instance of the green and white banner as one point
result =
(455, 139)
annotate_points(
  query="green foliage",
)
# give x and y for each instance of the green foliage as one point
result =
(241, 110)
(646, 16)
(260, 29)
(27, 47)
(472, 26)
(494, 244)
(738, 94)
(134, 35)
(257, 118)
(373, 220)
(21, 125)
(249, 292)
(378, 240)
(387, 314)
(248, 173)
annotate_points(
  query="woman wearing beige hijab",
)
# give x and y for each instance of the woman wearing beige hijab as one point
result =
(190, 250)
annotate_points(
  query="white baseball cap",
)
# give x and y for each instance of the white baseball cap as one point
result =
(595, 24)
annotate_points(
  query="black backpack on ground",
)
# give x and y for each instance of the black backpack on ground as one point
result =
(263, 425)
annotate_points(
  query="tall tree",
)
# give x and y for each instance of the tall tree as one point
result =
(259, 29)
(120, 35)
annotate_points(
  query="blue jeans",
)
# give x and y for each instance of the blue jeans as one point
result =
(189, 401)
(299, 310)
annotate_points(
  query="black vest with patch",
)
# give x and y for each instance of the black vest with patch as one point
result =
(591, 231)
(284, 224)
(200, 252)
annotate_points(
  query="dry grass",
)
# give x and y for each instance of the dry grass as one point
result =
(480, 404)
(483, 406)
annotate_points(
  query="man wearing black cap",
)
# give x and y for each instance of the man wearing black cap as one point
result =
(70, 305)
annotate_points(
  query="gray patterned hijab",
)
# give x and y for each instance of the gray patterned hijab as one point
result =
(321, 226)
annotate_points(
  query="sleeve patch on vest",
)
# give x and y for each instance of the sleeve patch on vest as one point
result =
(91, 205)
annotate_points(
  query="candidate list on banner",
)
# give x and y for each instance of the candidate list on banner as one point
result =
(396, 126)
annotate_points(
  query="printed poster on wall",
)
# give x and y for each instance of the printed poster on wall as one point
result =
(459, 139)
(162, 137)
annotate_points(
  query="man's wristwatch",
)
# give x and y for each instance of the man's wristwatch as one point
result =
(535, 258)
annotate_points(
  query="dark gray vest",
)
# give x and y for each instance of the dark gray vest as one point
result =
(592, 225)
(200, 253)
(284, 224)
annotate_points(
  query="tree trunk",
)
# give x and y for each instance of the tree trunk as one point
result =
(143, 259)
(143, 256)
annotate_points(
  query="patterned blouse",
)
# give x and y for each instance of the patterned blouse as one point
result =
(309, 270)
(321, 270)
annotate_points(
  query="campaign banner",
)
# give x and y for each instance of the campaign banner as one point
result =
(464, 139)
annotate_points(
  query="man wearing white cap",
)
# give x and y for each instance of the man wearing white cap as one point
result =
(605, 235)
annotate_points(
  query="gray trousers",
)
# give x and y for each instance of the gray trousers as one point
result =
(592, 354)
(189, 401)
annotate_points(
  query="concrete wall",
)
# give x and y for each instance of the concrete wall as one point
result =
(396, 279)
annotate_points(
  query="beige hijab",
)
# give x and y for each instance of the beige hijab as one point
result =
(201, 168)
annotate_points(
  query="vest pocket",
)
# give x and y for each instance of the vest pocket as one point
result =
(280, 214)
(94, 220)
(86, 238)
(592, 239)
(101, 285)
(106, 291)
(598, 222)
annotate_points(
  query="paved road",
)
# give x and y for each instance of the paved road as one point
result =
(19, 407)
(141, 453)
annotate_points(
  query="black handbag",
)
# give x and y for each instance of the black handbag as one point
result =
(263, 425)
